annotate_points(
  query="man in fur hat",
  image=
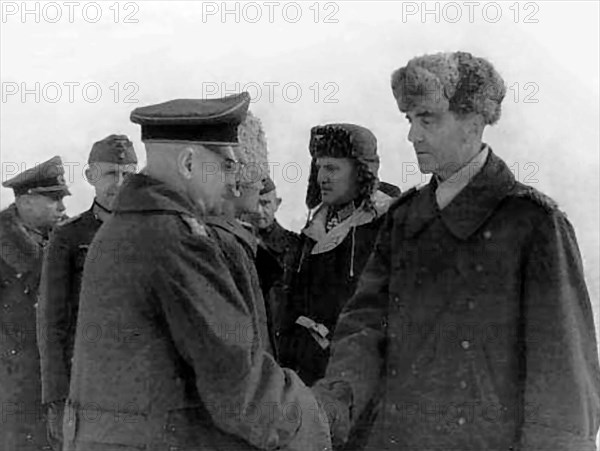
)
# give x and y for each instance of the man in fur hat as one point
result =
(335, 243)
(472, 320)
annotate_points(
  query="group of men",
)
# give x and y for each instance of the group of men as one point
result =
(178, 314)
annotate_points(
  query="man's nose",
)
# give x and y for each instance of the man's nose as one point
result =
(119, 179)
(60, 206)
(413, 134)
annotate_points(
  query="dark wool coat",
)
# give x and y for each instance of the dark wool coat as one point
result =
(279, 248)
(23, 423)
(474, 324)
(59, 301)
(240, 249)
(323, 279)
(166, 355)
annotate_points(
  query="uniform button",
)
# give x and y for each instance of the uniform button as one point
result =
(392, 335)
(393, 371)
(396, 299)
(393, 439)
(487, 234)
(471, 305)
(19, 275)
(461, 421)
(172, 428)
(35, 305)
(13, 352)
(465, 344)
(478, 268)
(29, 437)
(463, 384)
(26, 290)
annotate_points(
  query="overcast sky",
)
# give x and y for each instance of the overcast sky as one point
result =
(72, 72)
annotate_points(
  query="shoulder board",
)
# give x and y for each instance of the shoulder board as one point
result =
(532, 194)
(195, 227)
(406, 195)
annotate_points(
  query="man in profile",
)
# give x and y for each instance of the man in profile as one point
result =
(472, 321)
(24, 228)
(174, 363)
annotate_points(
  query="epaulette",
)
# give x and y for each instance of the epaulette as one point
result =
(539, 198)
(196, 227)
(405, 196)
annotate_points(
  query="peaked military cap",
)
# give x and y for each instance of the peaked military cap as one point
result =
(204, 121)
(268, 185)
(113, 149)
(46, 178)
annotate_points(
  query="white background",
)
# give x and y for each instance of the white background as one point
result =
(169, 50)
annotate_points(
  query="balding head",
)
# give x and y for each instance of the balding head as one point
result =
(202, 172)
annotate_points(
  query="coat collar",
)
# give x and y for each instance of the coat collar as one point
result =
(467, 212)
(326, 241)
(142, 193)
(19, 250)
(237, 229)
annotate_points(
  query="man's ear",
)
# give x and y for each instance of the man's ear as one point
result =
(277, 202)
(185, 162)
(92, 174)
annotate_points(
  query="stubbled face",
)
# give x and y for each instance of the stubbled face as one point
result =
(213, 174)
(267, 207)
(440, 140)
(337, 180)
(42, 212)
(107, 178)
(247, 202)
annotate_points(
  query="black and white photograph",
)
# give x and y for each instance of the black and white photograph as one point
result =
(299, 225)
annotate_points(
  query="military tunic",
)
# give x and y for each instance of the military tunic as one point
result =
(474, 325)
(23, 424)
(59, 300)
(165, 352)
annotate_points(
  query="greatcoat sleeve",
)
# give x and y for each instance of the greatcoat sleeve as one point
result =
(355, 367)
(245, 391)
(560, 365)
(53, 319)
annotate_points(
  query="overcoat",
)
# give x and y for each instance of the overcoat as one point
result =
(23, 423)
(165, 352)
(279, 248)
(240, 249)
(474, 324)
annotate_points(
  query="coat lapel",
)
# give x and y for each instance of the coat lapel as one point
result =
(478, 200)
